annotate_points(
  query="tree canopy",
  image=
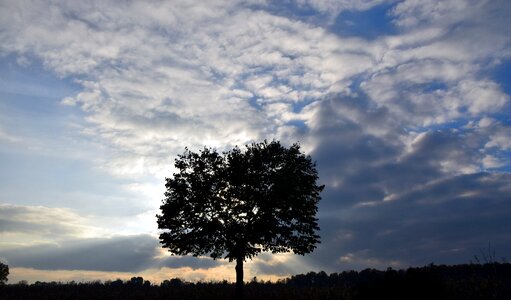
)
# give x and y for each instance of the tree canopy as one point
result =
(239, 203)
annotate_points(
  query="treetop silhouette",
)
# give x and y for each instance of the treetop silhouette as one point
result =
(4, 272)
(240, 203)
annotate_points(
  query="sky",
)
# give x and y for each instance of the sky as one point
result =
(404, 105)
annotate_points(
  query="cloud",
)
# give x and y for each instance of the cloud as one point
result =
(8, 137)
(118, 254)
(469, 14)
(39, 223)
(397, 197)
(66, 244)
(190, 87)
(115, 254)
(280, 265)
(190, 262)
(230, 74)
(332, 8)
(445, 221)
(45, 238)
(500, 138)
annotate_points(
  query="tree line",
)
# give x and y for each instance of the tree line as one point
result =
(467, 281)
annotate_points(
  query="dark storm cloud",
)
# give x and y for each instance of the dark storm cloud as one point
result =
(117, 254)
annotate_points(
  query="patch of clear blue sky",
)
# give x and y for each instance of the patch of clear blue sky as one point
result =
(433, 86)
(368, 24)
(293, 10)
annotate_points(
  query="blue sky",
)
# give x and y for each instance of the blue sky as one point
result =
(404, 105)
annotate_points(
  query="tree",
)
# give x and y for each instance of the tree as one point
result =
(239, 203)
(4, 272)
(138, 281)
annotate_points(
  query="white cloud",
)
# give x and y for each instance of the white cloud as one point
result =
(490, 161)
(481, 96)
(500, 139)
(412, 12)
(485, 122)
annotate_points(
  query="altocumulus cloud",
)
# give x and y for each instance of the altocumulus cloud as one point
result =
(196, 82)
(410, 129)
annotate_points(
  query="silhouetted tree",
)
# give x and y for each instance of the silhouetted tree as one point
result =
(4, 272)
(138, 281)
(240, 203)
(174, 282)
(117, 283)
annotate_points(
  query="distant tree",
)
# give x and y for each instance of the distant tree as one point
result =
(23, 283)
(138, 281)
(174, 282)
(239, 203)
(4, 272)
(117, 282)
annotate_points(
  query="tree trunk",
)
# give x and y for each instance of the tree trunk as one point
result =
(239, 278)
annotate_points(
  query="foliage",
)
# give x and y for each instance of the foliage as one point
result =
(241, 203)
(4, 272)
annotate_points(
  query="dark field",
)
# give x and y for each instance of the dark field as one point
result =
(471, 281)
